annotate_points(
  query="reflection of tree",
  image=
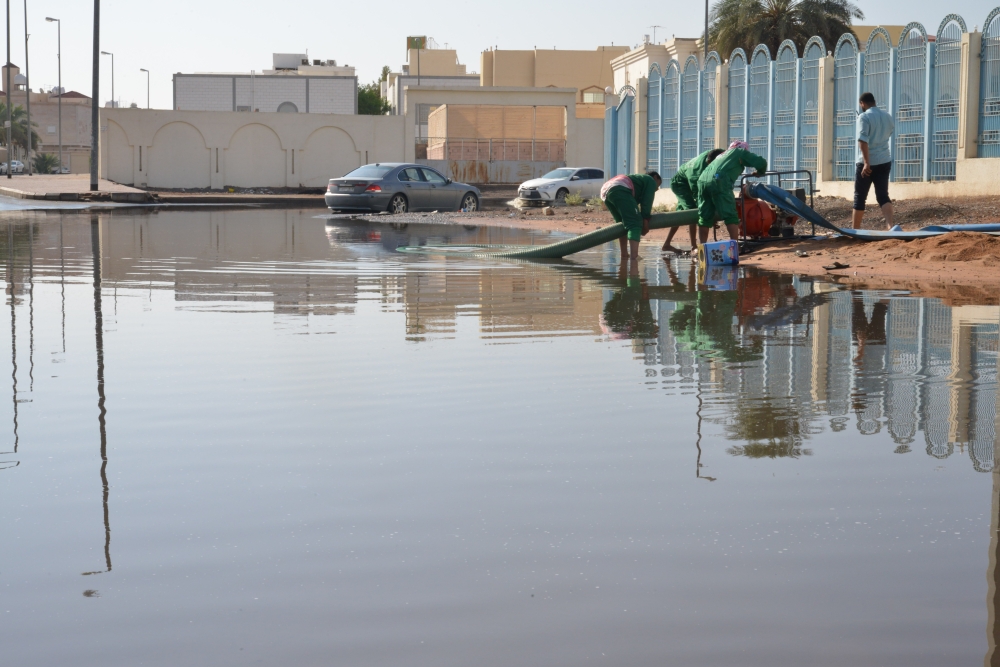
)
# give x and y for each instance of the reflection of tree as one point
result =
(707, 325)
(769, 430)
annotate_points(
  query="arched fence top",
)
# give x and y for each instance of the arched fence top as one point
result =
(904, 37)
(713, 61)
(761, 48)
(877, 33)
(811, 53)
(740, 54)
(672, 69)
(655, 69)
(989, 30)
(786, 47)
(626, 90)
(951, 18)
(848, 40)
(691, 64)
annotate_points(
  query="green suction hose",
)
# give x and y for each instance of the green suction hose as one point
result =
(560, 248)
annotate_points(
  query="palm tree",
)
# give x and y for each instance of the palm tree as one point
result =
(19, 122)
(45, 163)
(747, 23)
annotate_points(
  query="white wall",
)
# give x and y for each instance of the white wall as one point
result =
(590, 143)
(215, 149)
(215, 92)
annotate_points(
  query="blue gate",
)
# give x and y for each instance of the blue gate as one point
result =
(910, 98)
(737, 95)
(653, 119)
(845, 93)
(809, 105)
(671, 120)
(989, 88)
(786, 78)
(760, 102)
(689, 109)
(946, 82)
(626, 121)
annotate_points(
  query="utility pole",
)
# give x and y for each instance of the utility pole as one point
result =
(114, 100)
(95, 115)
(58, 23)
(706, 35)
(27, 85)
(10, 126)
(147, 85)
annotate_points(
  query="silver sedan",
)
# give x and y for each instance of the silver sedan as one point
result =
(398, 188)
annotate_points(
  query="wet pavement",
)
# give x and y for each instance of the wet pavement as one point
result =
(266, 437)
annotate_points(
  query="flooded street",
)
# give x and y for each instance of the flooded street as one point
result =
(265, 437)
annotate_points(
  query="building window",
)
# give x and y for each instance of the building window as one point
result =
(287, 107)
(593, 98)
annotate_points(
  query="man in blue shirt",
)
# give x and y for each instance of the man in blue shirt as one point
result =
(874, 161)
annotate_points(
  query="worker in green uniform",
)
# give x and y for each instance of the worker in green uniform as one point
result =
(685, 187)
(630, 200)
(715, 188)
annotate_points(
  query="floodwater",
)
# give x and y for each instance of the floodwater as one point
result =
(268, 438)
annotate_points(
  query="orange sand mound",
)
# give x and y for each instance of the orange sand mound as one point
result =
(952, 247)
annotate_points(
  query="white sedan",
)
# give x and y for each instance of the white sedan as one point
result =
(555, 185)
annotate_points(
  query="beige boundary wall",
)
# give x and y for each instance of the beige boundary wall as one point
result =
(216, 149)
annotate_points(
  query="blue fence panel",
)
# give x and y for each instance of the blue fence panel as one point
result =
(878, 67)
(654, 95)
(671, 120)
(737, 95)
(809, 104)
(989, 88)
(626, 119)
(946, 81)
(708, 81)
(785, 101)
(760, 101)
(845, 93)
(610, 139)
(910, 97)
(689, 109)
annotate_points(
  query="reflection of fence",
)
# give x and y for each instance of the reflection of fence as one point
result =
(773, 104)
(491, 150)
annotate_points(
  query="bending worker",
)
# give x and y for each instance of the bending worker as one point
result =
(715, 188)
(630, 200)
(685, 187)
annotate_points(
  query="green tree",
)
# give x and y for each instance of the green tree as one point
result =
(19, 122)
(385, 73)
(45, 163)
(747, 23)
(370, 101)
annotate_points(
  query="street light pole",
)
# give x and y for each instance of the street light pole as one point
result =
(95, 115)
(10, 126)
(114, 102)
(147, 85)
(27, 85)
(58, 23)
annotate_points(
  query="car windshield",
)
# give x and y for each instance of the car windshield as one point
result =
(559, 173)
(369, 171)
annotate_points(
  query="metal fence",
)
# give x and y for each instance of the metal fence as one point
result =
(619, 130)
(774, 104)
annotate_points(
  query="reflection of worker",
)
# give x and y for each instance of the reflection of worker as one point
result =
(715, 188)
(874, 161)
(630, 200)
(685, 187)
(628, 313)
(707, 325)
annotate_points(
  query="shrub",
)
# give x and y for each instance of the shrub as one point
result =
(596, 202)
(574, 199)
(45, 163)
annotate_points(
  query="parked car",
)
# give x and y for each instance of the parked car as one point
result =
(555, 185)
(398, 188)
(16, 167)
(65, 170)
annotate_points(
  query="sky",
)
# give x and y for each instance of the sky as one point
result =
(240, 35)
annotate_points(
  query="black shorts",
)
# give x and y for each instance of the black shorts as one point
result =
(862, 184)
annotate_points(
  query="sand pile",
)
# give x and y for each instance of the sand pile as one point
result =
(965, 247)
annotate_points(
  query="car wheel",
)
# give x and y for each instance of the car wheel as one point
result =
(561, 195)
(470, 203)
(398, 204)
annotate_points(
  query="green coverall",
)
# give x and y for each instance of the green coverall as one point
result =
(715, 186)
(685, 182)
(630, 208)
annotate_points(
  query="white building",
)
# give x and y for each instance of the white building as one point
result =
(294, 85)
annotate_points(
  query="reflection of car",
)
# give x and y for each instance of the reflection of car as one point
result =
(398, 188)
(555, 185)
